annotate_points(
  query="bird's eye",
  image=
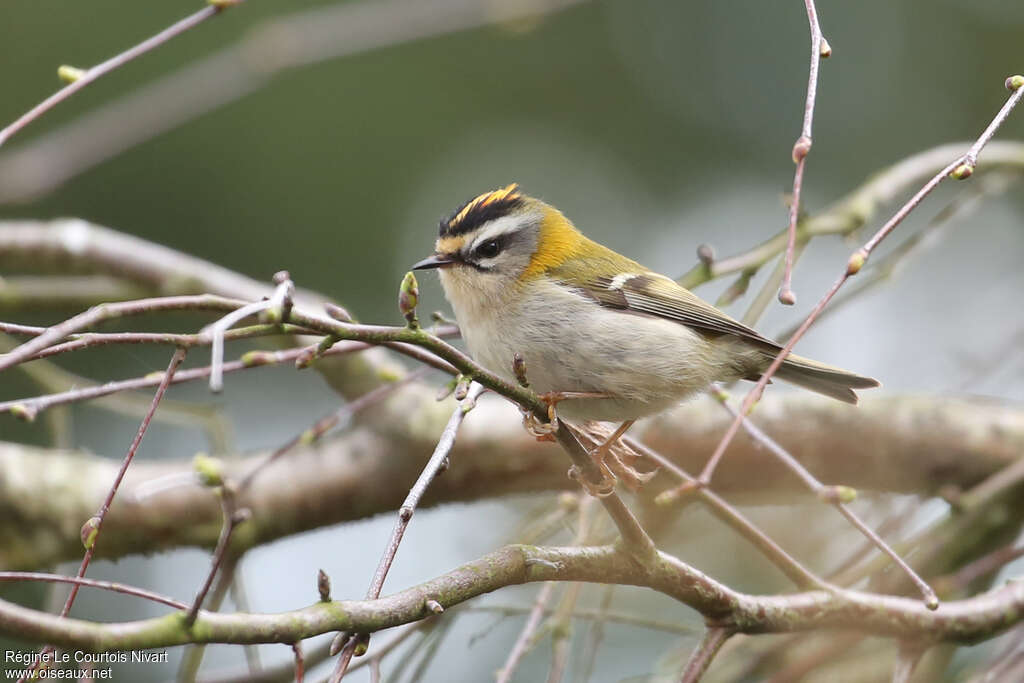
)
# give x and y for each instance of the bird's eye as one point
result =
(488, 249)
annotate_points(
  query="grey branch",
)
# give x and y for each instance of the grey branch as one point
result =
(899, 444)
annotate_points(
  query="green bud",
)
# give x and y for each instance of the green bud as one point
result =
(251, 359)
(210, 470)
(24, 412)
(408, 298)
(69, 74)
(90, 530)
(962, 172)
(856, 262)
(1014, 83)
(838, 494)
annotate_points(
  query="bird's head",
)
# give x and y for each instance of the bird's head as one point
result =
(500, 239)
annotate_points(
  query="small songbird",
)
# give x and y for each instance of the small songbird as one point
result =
(587, 320)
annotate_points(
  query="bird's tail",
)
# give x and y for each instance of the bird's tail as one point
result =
(824, 379)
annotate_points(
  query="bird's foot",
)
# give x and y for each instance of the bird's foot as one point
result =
(545, 431)
(600, 489)
(615, 458)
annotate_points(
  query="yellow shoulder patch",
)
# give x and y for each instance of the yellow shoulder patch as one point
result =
(558, 242)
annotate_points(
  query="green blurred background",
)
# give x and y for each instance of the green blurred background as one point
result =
(655, 125)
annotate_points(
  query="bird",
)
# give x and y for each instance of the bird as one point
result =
(599, 334)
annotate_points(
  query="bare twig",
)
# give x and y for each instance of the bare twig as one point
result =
(294, 41)
(835, 495)
(522, 644)
(232, 518)
(92, 528)
(96, 523)
(104, 312)
(707, 648)
(796, 572)
(280, 303)
(596, 632)
(906, 660)
(325, 424)
(436, 463)
(852, 211)
(84, 78)
(802, 147)
(30, 407)
(856, 261)
(300, 664)
(93, 583)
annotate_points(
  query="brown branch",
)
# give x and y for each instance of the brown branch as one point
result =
(84, 78)
(438, 461)
(895, 444)
(962, 621)
(801, 148)
(852, 211)
(713, 640)
(94, 525)
(963, 166)
(93, 583)
(526, 635)
(294, 41)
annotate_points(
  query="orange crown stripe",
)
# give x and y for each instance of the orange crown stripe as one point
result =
(509, 191)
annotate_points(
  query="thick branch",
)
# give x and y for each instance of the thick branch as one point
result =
(960, 621)
(902, 444)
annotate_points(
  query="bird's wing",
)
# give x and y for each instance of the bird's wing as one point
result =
(659, 296)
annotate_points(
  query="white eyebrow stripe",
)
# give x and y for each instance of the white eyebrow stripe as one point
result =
(498, 227)
(621, 279)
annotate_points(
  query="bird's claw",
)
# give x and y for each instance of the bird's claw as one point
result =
(601, 489)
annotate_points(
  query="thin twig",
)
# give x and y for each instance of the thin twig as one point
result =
(96, 523)
(280, 301)
(561, 632)
(93, 583)
(300, 665)
(435, 465)
(856, 261)
(833, 495)
(787, 564)
(284, 672)
(325, 424)
(522, 644)
(906, 660)
(802, 148)
(103, 312)
(596, 632)
(982, 566)
(30, 407)
(852, 211)
(232, 518)
(707, 648)
(92, 528)
(312, 36)
(102, 69)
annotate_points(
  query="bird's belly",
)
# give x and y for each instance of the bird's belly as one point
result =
(647, 364)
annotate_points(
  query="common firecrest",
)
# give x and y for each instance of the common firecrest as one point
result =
(587, 320)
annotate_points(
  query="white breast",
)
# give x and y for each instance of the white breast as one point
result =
(571, 343)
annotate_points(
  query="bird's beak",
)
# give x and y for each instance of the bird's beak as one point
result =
(435, 261)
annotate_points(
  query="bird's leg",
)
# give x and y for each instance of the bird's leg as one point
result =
(545, 431)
